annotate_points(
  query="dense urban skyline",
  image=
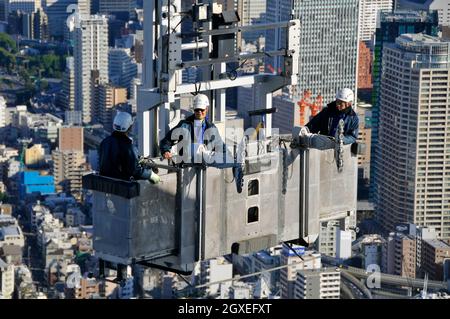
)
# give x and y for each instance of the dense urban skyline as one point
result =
(67, 67)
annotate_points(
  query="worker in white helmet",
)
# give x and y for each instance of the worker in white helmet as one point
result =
(118, 157)
(326, 122)
(204, 136)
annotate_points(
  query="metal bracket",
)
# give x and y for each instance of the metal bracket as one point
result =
(175, 49)
(291, 63)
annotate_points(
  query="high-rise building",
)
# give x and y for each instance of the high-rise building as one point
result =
(399, 253)
(91, 61)
(423, 233)
(73, 118)
(33, 25)
(30, 25)
(215, 270)
(66, 97)
(287, 115)
(280, 10)
(228, 4)
(26, 6)
(335, 237)
(391, 26)
(2, 112)
(364, 137)
(318, 284)
(27, 25)
(328, 237)
(298, 260)
(122, 68)
(6, 280)
(41, 30)
(328, 46)
(4, 11)
(344, 244)
(87, 288)
(441, 6)
(57, 12)
(115, 6)
(369, 11)
(371, 249)
(71, 138)
(434, 252)
(412, 186)
(35, 155)
(95, 6)
(252, 12)
(108, 98)
(364, 67)
(68, 169)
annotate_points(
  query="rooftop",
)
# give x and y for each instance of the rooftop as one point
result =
(265, 257)
(7, 220)
(436, 243)
(423, 44)
(11, 250)
(372, 239)
(421, 37)
(406, 16)
(319, 271)
(9, 231)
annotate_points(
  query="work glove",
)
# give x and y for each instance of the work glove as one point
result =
(154, 178)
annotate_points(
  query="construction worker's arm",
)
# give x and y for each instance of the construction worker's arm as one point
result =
(315, 124)
(132, 166)
(166, 143)
(351, 135)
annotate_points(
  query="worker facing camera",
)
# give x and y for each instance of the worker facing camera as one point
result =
(323, 130)
(197, 135)
(119, 157)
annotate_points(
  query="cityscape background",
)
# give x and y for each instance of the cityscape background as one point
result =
(67, 67)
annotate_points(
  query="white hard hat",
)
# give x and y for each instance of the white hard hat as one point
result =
(201, 101)
(122, 121)
(345, 95)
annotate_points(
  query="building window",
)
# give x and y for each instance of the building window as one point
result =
(253, 187)
(253, 215)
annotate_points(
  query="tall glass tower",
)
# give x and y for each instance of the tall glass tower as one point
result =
(390, 27)
(328, 46)
(414, 186)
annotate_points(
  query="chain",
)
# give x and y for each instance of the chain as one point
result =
(340, 146)
(285, 171)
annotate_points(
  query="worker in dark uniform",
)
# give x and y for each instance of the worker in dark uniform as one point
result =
(321, 132)
(204, 141)
(118, 156)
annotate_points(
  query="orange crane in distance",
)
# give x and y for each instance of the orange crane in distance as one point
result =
(272, 69)
(315, 105)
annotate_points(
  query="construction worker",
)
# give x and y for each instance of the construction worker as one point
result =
(205, 140)
(327, 121)
(118, 156)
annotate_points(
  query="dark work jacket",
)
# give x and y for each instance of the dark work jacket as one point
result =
(326, 123)
(119, 159)
(214, 137)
